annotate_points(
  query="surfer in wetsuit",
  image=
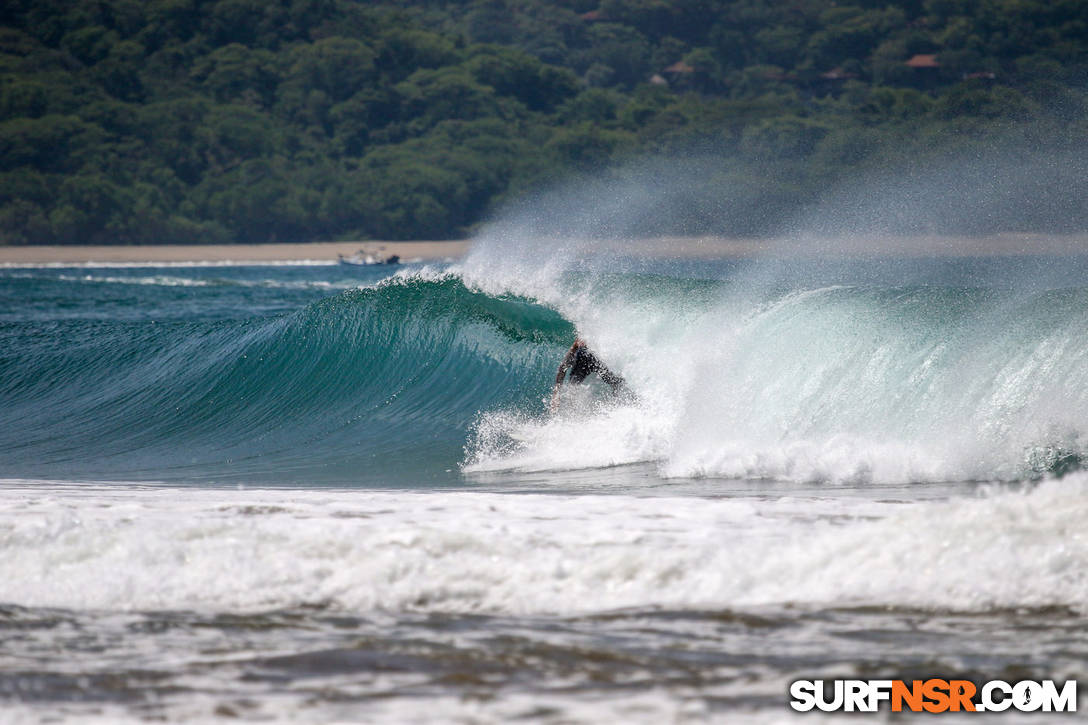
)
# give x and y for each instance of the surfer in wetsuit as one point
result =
(582, 363)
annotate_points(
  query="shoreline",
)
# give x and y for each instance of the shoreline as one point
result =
(706, 247)
(227, 253)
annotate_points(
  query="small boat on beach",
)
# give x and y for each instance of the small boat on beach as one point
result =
(363, 258)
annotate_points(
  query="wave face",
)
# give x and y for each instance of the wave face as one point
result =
(884, 372)
(345, 388)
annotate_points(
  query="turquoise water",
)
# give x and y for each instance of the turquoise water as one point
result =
(321, 494)
(301, 375)
(309, 375)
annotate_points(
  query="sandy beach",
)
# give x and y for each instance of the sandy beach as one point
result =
(706, 247)
(241, 253)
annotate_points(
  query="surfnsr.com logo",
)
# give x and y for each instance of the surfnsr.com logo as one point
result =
(933, 695)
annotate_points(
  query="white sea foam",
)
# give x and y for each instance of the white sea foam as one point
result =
(193, 263)
(820, 383)
(155, 281)
(174, 281)
(162, 280)
(122, 548)
(653, 705)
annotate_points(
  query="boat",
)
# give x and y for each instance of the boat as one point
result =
(363, 258)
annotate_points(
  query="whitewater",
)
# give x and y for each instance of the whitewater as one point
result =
(311, 493)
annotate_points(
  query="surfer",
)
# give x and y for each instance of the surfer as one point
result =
(582, 363)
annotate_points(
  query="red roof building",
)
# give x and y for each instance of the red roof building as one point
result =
(679, 67)
(924, 61)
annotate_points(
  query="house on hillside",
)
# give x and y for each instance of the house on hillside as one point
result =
(923, 61)
(678, 69)
(679, 75)
(926, 69)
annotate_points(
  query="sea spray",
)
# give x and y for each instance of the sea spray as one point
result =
(766, 373)
(558, 566)
(734, 372)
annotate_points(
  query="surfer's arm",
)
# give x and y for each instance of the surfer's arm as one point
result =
(616, 382)
(563, 367)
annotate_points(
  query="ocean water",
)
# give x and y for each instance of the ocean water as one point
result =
(310, 493)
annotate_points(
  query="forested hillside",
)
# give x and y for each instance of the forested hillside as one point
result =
(170, 121)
